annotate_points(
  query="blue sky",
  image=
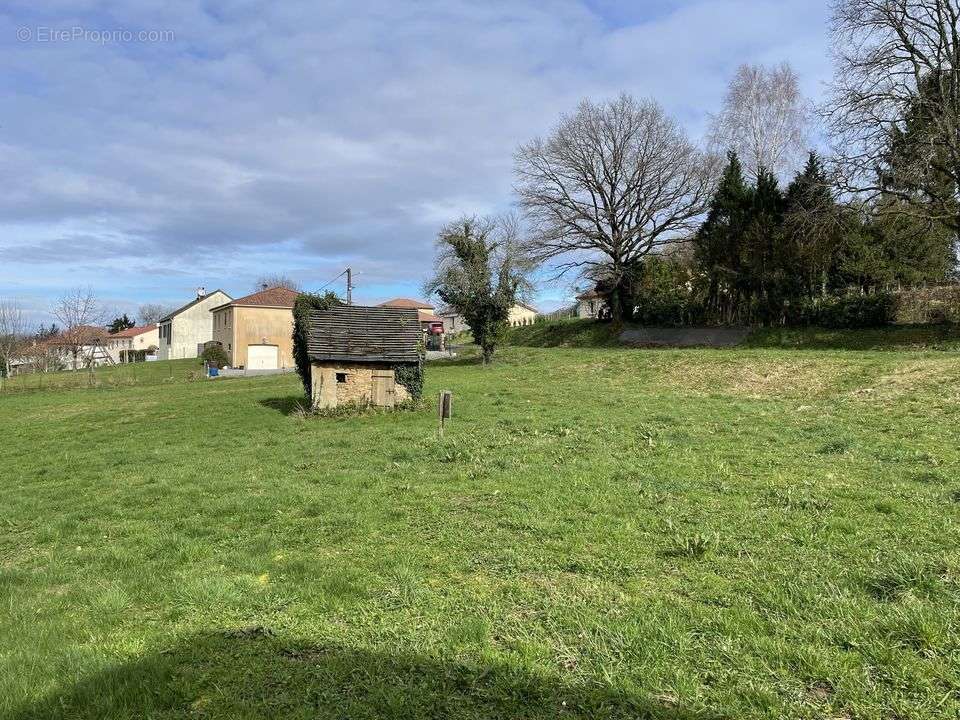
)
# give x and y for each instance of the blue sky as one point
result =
(301, 137)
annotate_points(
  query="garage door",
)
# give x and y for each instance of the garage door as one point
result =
(263, 357)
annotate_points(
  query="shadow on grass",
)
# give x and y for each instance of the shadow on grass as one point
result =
(256, 675)
(287, 404)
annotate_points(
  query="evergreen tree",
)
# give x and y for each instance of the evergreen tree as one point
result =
(718, 241)
(812, 227)
(120, 323)
(765, 258)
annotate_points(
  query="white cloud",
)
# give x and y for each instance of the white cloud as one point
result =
(302, 135)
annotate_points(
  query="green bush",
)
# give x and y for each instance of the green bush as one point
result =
(844, 311)
(305, 304)
(215, 355)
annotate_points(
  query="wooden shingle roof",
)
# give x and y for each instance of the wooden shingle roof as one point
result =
(352, 333)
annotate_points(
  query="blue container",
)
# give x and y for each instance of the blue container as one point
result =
(214, 372)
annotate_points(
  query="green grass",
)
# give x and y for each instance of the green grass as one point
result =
(565, 333)
(602, 533)
(146, 373)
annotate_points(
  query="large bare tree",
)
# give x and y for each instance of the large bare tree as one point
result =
(272, 280)
(80, 314)
(150, 313)
(764, 119)
(611, 183)
(894, 109)
(13, 326)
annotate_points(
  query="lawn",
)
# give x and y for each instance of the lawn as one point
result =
(756, 533)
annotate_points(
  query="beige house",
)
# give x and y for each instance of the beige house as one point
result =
(132, 344)
(184, 332)
(520, 314)
(356, 353)
(257, 330)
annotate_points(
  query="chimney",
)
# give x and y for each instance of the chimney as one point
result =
(201, 292)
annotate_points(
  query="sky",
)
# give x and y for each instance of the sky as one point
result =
(151, 147)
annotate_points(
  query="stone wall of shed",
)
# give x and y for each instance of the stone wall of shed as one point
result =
(358, 388)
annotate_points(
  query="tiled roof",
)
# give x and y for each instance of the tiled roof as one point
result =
(271, 297)
(352, 333)
(407, 303)
(134, 331)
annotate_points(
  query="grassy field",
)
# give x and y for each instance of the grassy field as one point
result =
(758, 533)
(145, 373)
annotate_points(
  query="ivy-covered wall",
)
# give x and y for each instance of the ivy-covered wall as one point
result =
(305, 304)
(410, 375)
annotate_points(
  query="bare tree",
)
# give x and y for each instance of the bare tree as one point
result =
(611, 183)
(79, 314)
(152, 312)
(12, 329)
(894, 109)
(764, 119)
(272, 280)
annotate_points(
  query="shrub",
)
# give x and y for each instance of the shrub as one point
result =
(844, 311)
(929, 305)
(215, 355)
(305, 304)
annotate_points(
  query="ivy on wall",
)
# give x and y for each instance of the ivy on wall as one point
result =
(305, 304)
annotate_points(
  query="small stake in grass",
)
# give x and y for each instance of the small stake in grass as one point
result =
(444, 408)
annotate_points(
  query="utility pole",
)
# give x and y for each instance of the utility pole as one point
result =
(349, 286)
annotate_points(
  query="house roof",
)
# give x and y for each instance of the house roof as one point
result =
(134, 331)
(190, 304)
(589, 295)
(271, 297)
(354, 333)
(407, 303)
(81, 335)
(531, 308)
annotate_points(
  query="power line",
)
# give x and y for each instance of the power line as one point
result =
(331, 281)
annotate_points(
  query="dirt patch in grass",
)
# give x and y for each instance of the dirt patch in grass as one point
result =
(754, 378)
(924, 376)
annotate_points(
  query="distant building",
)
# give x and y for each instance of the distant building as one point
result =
(431, 324)
(590, 304)
(520, 314)
(355, 351)
(256, 331)
(183, 333)
(408, 304)
(133, 344)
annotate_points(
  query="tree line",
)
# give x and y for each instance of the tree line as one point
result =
(734, 231)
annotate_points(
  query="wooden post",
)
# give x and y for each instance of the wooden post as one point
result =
(444, 408)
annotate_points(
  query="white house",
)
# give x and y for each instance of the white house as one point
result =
(132, 344)
(590, 304)
(183, 332)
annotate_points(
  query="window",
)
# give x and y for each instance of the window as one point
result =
(341, 377)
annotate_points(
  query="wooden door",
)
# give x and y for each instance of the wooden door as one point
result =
(383, 392)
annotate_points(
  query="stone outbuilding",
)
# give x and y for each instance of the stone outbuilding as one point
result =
(363, 356)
